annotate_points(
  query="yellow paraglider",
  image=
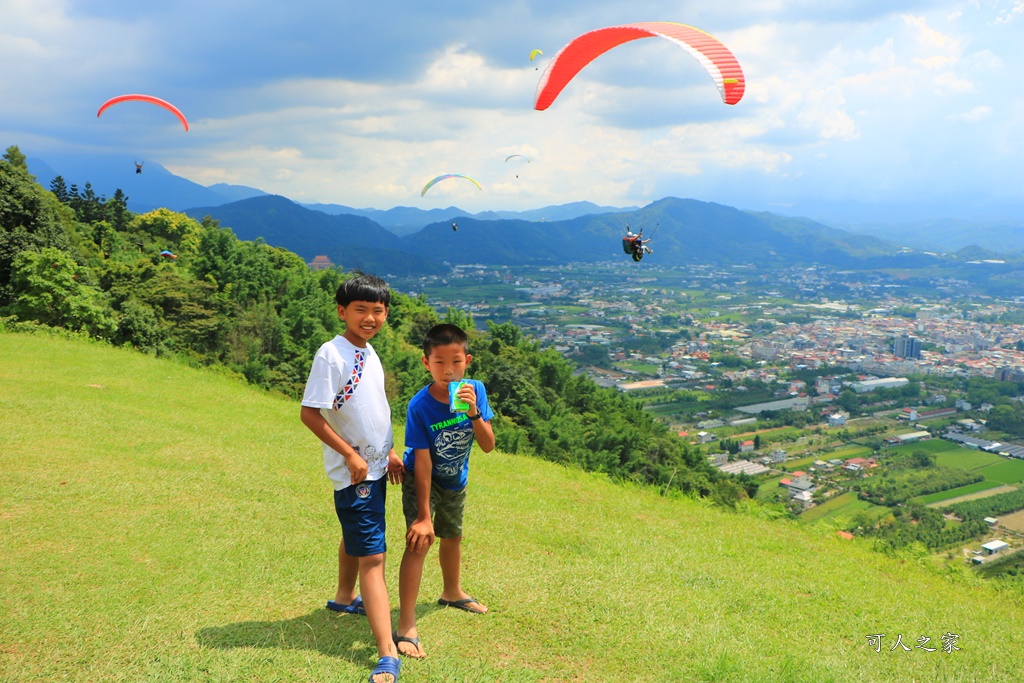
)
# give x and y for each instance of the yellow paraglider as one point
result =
(446, 176)
(534, 53)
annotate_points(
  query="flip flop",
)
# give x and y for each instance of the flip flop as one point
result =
(415, 642)
(387, 665)
(355, 608)
(460, 604)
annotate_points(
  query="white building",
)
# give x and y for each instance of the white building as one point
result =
(883, 383)
(837, 419)
(993, 547)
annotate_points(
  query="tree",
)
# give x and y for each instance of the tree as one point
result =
(52, 289)
(1007, 418)
(30, 218)
(15, 158)
(922, 459)
(463, 319)
(848, 400)
(60, 190)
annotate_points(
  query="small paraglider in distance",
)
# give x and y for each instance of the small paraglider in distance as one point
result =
(534, 54)
(519, 156)
(445, 176)
(138, 167)
(169, 255)
(455, 227)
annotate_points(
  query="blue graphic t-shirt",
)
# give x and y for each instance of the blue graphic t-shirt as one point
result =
(449, 436)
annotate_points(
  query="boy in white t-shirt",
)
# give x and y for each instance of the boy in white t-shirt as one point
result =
(344, 405)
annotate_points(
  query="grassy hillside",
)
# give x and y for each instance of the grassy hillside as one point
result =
(161, 523)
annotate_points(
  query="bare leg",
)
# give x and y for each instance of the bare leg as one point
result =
(409, 576)
(348, 572)
(375, 599)
(450, 556)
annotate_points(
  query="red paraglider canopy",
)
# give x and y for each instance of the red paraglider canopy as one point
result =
(712, 54)
(145, 98)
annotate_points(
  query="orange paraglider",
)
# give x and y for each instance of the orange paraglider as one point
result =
(144, 98)
(713, 55)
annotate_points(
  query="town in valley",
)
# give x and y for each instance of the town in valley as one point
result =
(883, 403)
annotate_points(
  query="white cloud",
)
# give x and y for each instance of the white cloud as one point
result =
(979, 113)
(1010, 13)
(338, 105)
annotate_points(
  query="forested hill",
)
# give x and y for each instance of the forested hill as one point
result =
(685, 230)
(166, 284)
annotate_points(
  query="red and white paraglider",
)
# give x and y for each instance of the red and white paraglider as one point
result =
(713, 55)
(144, 98)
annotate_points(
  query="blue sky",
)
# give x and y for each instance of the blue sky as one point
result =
(870, 108)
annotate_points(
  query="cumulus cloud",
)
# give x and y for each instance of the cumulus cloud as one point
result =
(1008, 14)
(979, 113)
(361, 103)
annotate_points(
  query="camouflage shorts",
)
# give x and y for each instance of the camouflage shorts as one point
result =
(446, 507)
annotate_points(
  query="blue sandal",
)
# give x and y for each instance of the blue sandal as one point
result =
(355, 608)
(387, 665)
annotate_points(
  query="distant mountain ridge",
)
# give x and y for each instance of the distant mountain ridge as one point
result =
(1006, 237)
(405, 220)
(157, 187)
(684, 231)
(352, 241)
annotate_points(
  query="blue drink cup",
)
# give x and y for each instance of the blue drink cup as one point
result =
(456, 404)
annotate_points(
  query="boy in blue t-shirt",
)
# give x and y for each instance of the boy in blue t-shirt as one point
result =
(438, 441)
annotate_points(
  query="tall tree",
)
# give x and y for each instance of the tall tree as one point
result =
(30, 217)
(60, 190)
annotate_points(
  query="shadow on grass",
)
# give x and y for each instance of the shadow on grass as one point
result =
(345, 636)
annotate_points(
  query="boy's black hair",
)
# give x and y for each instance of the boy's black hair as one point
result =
(442, 335)
(363, 288)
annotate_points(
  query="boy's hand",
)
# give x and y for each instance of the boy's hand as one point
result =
(420, 536)
(357, 468)
(468, 394)
(396, 468)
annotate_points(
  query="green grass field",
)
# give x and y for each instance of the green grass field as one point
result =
(637, 366)
(1005, 472)
(161, 523)
(802, 463)
(847, 452)
(967, 459)
(930, 446)
(845, 505)
(958, 491)
(768, 487)
(768, 436)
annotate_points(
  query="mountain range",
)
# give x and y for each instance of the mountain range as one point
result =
(688, 230)
(683, 231)
(157, 187)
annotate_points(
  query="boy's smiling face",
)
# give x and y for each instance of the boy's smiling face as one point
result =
(363, 319)
(446, 364)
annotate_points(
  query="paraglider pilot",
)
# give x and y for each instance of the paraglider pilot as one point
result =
(138, 167)
(635, 244)
(455, 228)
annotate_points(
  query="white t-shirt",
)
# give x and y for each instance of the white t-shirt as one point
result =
(347, 384)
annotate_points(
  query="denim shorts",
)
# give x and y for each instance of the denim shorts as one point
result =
(360, 509)
(446, 507)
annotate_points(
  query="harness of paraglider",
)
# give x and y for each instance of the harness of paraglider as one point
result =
(632, 245)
